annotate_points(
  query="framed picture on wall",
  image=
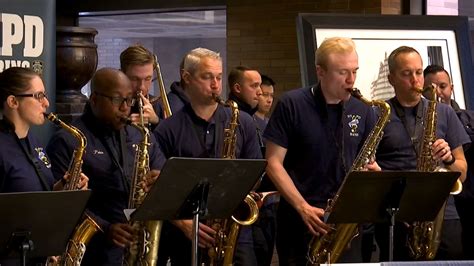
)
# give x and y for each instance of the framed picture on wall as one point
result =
(442, 40)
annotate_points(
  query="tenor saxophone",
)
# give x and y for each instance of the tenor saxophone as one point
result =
(227, 230)
(83, 232)
(329, 247)
(144, 251)
(424, 237)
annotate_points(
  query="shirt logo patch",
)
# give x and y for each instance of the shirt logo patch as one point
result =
(42, 157)
(97, 152)
(354, 125)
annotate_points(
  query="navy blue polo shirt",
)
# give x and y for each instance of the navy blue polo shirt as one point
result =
(397, 152)
(108, 162)
(261, 123)
(321, 140)
(185, 134)
(19, 166)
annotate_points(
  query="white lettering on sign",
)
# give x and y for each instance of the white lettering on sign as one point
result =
(30, 29)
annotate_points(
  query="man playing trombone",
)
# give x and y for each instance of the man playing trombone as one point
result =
(138, 64)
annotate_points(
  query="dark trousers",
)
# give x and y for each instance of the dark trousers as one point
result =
(293, 239)
(465, 208)
(450, 247)
(256, 243)
(101, 251)
(400, 249)
(174, 246)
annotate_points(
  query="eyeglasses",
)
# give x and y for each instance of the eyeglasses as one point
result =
(37, 95)
(118, 101)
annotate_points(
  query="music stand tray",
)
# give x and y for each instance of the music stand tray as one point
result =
(229, 180)
(366, 196)
(43, 219)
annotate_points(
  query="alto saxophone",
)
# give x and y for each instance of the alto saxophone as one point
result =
(329, 247)
(424, 237)
(145, 250)
(227, 230)
(83, 232)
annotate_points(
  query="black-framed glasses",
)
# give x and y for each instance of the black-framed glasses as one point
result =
(118, 101)
(37, 95)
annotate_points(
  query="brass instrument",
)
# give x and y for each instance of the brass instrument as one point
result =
(83, 232)
(222, 252)
(144, 251)
(163, 97)
(424, 237)
(329, 247)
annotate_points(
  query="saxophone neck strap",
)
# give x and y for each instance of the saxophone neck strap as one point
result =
(26, 148)
(417, 132)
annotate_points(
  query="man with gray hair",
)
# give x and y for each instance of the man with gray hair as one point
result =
(197, 131)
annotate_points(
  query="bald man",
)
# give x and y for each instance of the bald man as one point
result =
(108, 162)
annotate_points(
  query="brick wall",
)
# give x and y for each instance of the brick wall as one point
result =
(262, 34)
(169, 51)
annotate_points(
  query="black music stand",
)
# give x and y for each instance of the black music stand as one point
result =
(39, 224)
(199, 188)
(392, 195)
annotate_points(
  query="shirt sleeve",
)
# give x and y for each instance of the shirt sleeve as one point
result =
(162, 137)
(279, 127)
(157, 159)
(456, 135)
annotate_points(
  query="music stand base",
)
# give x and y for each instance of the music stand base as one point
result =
(21, 242)
(392, 212)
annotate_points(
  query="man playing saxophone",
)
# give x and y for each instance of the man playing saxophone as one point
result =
(313, 136)
(108, 162)
(404, 137)
(197, 131)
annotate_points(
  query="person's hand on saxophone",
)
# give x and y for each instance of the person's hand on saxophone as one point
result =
(82, 185)
(372, 165)
(150, 179)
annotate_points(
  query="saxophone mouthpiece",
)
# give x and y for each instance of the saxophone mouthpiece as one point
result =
(126, 120)
(355, 92)
(419, 89)
(218, 99)
(52, 117)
